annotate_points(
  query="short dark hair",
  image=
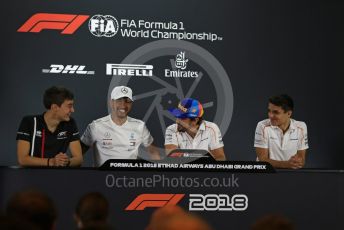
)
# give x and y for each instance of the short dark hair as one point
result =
(32, 206)
(92, 208)
(284, 101)
(56, 95)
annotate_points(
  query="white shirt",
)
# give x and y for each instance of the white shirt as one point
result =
(281, 146)
(112, 141)
(208, 137)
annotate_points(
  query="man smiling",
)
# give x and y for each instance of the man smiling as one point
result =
(42, 140)
(192, 132)
(118, 136)
(280, 140)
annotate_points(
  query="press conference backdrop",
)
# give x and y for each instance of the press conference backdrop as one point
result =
(229, 54)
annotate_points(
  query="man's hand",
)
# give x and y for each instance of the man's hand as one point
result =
(60, 159)
(295, 162)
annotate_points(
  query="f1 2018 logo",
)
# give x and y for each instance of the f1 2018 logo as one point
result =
(68, 23)
(197, 202)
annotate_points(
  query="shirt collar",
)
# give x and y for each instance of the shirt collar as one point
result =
(291, 128)
(43, 121)
(124, 124)
(202, 126)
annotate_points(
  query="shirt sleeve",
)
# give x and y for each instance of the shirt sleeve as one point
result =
(74, 131)
(261, 137)
(25, 129)
(171, 136)
(88, 136)
(147, 138)
(303, 142)
(216, 141)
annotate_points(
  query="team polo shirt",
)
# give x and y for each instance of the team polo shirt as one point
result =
(44, 143)
(208, 137)
(112, 141)
(281, 146)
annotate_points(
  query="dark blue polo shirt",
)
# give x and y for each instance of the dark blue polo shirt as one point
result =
(44, 143)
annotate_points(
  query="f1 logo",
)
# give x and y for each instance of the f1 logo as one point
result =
(68, 23)
(154, 200)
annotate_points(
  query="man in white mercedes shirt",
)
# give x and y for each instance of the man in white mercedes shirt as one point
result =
(280, 140)
(192, 132)
(118, 136)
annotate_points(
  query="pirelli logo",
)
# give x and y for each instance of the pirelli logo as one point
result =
(67, 23)
(153, 201)
(129, 70)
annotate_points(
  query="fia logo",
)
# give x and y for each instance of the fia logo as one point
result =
(181, 61)
(103, 25)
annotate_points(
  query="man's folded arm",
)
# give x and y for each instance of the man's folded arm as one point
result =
(24, 159)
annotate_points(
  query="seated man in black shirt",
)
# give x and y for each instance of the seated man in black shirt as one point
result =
(42, 140)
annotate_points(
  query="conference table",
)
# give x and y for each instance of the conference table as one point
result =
(227, 198)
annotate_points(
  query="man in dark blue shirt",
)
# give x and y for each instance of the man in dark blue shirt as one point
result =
(43, 140)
